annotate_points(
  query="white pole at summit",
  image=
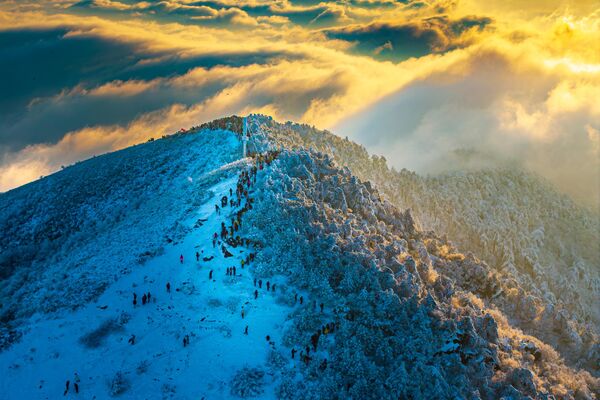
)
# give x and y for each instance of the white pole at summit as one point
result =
(245, 134)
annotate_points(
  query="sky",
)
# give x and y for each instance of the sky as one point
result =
(432, 85)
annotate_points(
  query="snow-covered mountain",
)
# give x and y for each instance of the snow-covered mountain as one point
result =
(337, 291)
(539, 247)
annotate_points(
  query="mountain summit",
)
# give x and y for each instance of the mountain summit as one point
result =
(179, 269)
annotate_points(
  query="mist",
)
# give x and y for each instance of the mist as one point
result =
(490, 114)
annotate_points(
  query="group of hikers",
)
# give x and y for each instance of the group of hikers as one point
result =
(76, 382)
(228, 235)
(314, 341)
(145, 298)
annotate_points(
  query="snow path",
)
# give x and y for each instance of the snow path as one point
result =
(209, 311)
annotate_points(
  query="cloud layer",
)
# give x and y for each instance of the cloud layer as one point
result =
(413, 80)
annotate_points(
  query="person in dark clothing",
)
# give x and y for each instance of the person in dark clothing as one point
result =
(301, 299)
(66, 388)
(246, 330)
(255, 294)
(134, 299)
(273, 288)
(227, 271)
(217, 209)
(210, 274)
(148, 297)
(268, 338)
(260, 283)
(314, 340)
(76, 382)
(197, 256)
(293, 353)
(268, 285)
(234, 272)
(168, 287)
(254, 281)
(144, 299)
(307, 350)
(295, 297)
(321, 305)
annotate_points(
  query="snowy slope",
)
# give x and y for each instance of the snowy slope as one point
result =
(372, 307)
(208, 310)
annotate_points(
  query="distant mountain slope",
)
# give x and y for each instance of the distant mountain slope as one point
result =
(406, 329)
(545, 248)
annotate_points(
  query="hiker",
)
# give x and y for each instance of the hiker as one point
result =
(242, 312)
(197, 256)
(168, 287)
(144, 299)
(210, 274)
(293, 353)
(234, 271)
(306, 359)
(66, 388)
(217, 209)
(255, 294)
(321, 305)
(273, 288)
(227, 272)
(131, 340)
(76, 382)
(148, 298)
(260, 283)
(301, 300)
(314, 340)
(246, 330)
(230, 192)
(134, 299)
(268, 338)
(254, 281)
(186, 340)
(268, 285)
(181, 258)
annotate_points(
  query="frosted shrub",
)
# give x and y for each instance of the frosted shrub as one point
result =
(97, 337)
(119, 384)
(248, 382)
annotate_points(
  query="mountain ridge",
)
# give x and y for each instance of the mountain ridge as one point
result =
(408, 303)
